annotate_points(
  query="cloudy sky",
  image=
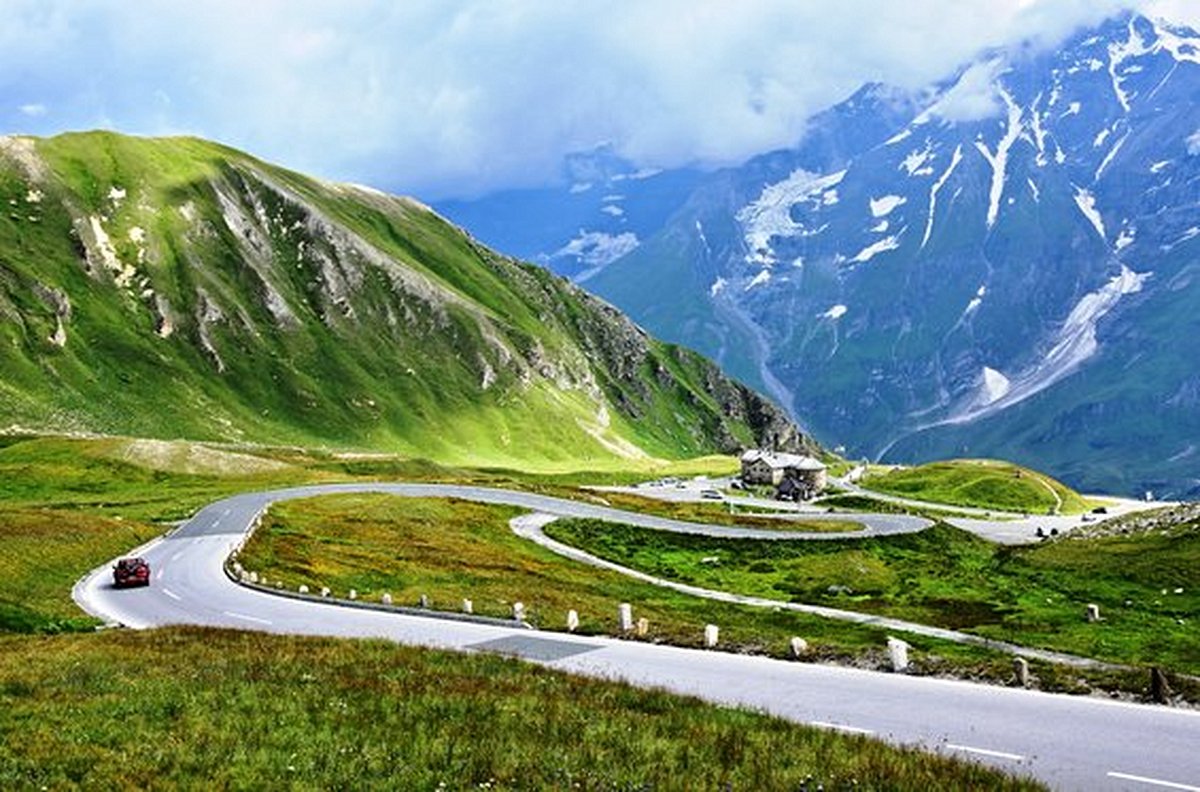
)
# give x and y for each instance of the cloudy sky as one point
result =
(440, 99)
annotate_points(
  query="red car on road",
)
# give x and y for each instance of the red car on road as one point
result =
(131, 572)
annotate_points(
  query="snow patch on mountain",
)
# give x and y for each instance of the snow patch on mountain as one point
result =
(933, 192)
(874, 249)
(882, 207)
(916, 163)
(999, 160)
(1073, 345)
(1109, 157)
(763, 277)
(1087, 205)
(975, 302)
(771, 214)
(995, 385)
(1124, 239)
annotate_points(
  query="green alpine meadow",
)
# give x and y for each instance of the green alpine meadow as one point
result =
(179, 288)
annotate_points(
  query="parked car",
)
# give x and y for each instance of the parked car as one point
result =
(128, 572)
(710, 494)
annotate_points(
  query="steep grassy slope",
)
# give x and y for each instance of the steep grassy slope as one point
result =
(175, 287)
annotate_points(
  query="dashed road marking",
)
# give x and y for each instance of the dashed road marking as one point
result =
(840, 727)
(1153, 781)
(244, 617)
(171, 594)
(986, 752)
(176, 556)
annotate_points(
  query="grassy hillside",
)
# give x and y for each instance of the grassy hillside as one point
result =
(178, 288)
(981, 483)
(179, 708)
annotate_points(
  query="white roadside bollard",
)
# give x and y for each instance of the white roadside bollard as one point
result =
(253, 576)
(625, 617)
(572, 621)
(712, 634)
(897, 654)
(1093, 613)
(1021, 671)
(385, 598)
(799, 647)
(324, 591)
(353, 594)
(518, 611)
(468, 606)
(643, 627)
(303, 589)
(424, 601)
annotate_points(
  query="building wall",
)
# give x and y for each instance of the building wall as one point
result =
(759, 472)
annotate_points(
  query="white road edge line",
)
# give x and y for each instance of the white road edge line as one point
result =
(245, 617)
(1153, 781)
(840, 727)
(986, 752)
(171, 594)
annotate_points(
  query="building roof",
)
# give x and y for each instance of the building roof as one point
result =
(783, 461)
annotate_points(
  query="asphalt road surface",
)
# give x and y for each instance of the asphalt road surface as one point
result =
(1070, 742)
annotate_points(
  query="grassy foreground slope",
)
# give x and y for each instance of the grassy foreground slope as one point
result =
(178, 288)
(981, 483)
(180, 707)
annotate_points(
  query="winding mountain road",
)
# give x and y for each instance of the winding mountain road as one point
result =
(1069, 742)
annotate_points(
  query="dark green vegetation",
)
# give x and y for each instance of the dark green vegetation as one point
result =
(178, 288)
(1147, 586)
(181, 707)
(982, 484)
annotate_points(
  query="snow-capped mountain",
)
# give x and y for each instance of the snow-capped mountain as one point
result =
(602, 211)
(1007, 264)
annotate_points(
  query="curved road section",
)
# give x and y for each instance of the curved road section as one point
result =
(1069, 742)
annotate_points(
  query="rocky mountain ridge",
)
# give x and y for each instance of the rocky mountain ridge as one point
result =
(1001, 266)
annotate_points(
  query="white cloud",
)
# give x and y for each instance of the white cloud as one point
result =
(438, 98)
(974, 97)
(33, 110)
